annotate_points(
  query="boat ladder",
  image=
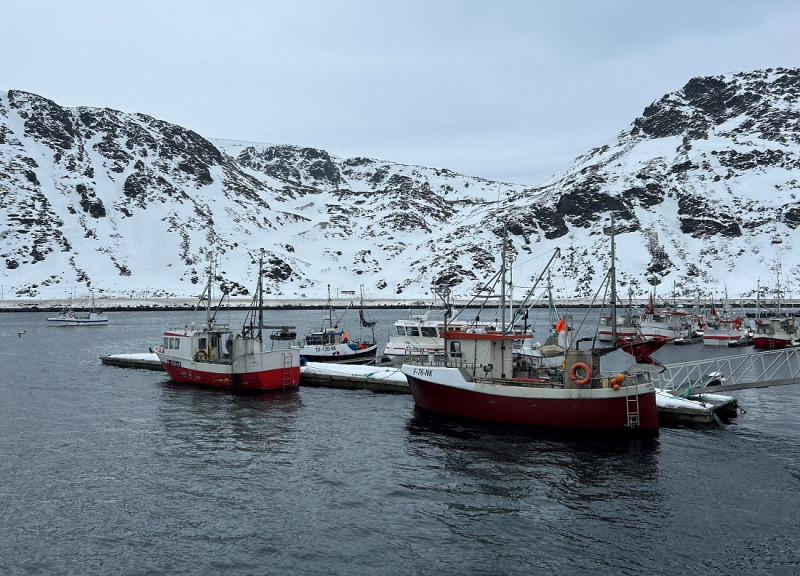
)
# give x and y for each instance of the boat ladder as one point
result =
(632, 406)
(286, 374)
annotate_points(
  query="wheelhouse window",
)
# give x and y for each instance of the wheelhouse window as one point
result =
(429, 331)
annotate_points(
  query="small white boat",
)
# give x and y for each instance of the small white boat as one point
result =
(419, 337)
(69, 317)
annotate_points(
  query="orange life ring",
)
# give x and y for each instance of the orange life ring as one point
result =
(201, 355)
(573, 373)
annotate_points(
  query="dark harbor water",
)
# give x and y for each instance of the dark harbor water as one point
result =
(115, 471)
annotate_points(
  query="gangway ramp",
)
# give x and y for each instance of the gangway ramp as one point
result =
(739, 372)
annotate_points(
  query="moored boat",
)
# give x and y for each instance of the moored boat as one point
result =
(652, 324)
(480, 379)
(213, 355)
(70, 317)
(331, 343)
(727, 332)
(776, 333)
(418, 336)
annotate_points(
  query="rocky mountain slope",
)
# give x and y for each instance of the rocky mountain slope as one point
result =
(702, 189)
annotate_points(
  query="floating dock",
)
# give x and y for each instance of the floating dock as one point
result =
(318, 374)
(698, 408)
(144, 361)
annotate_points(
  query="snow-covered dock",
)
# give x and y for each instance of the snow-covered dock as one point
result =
(698, 408)
(378, 379)
(144, 360)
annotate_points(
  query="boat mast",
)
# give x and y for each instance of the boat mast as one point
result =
(503, 283)
(758, 299)
(330, 310)
(260, 297)
(613, 277)
(208, 292)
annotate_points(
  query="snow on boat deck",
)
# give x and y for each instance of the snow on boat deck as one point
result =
(702, 408)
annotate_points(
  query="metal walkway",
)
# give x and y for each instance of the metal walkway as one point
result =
(740, 372)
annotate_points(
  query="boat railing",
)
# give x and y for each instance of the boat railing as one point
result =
(730, 370)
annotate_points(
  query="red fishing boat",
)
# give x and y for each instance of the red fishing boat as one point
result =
(213, 355)
(776, 333)
(480, 379)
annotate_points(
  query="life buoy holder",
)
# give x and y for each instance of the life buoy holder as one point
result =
(573, 373)
(201, 355)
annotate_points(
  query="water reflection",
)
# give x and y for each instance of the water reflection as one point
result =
(495, 484)
(515, 461)
(207, 420)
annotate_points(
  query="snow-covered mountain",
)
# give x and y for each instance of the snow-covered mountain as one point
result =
(702, 188)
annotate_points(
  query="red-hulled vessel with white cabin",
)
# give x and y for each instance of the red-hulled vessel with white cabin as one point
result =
(213, 355)
(480, 379)
(776, 333)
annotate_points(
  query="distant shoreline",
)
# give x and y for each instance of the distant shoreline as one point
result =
(178, 304)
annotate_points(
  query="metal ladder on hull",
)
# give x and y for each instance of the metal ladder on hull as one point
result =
(286, 372)
(632, 406)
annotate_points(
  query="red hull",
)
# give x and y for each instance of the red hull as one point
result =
(586, 413)
(770, 343)
(250, 381)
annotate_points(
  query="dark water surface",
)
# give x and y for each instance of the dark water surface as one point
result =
(116, 471)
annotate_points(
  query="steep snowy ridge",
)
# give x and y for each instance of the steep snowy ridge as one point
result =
(702, 189)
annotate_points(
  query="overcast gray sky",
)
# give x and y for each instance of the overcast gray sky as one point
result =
(509, 90)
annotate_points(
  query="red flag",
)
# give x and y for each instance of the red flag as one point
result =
(561, 326)
(651, 306)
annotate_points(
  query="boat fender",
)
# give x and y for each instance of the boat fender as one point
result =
(71, 315)
(200, 355)
(573, 373)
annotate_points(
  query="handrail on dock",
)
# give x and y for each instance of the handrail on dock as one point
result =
(756, 367)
